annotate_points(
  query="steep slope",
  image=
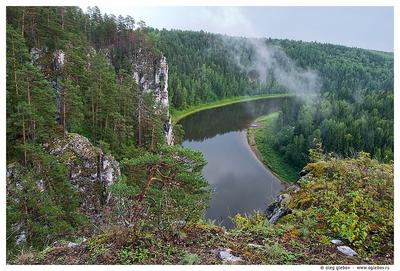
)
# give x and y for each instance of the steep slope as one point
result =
(338, 203)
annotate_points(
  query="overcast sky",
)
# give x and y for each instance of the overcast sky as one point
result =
(364, 27)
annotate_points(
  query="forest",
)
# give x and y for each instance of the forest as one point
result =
(72, 72)
(354, 110)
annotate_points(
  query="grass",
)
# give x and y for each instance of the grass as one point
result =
(177, 115)
(262, 137)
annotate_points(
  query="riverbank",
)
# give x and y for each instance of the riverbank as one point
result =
(260, 138)
(177, 115)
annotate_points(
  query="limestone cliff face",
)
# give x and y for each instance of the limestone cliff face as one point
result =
(152, 76)
(149, 70)
(91, 171)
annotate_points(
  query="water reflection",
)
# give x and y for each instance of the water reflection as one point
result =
(240, 182)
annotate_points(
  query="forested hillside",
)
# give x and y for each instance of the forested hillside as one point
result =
(88, 98)
(79, 58)
(354, 109)
(80, 86)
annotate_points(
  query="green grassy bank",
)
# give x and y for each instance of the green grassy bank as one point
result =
(261, 139)
(180, 114)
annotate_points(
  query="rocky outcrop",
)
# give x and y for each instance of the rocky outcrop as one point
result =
(152, 77)
(52, 59)
(91, 171)
(278, 208)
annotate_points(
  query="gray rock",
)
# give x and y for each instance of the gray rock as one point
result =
(271, 209)
(72, 244)
(284, 199)
(278, 208)
(346, 251)
(278, 214)
(21, 238)
(152, 77)
(337, 242)
(92, 171)
(226, 256)
(255, 245)
(296, 188)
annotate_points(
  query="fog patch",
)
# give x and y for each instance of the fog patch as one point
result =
(265, 64)
(269, 66)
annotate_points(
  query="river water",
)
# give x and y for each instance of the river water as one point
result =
(240, 182)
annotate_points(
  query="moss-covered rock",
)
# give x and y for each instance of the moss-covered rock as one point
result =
(91, 171)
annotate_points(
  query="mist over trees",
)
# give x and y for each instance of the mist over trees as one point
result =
(353, 110)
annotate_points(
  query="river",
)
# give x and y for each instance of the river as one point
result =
(240, 182)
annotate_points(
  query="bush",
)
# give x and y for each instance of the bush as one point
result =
(351, 199)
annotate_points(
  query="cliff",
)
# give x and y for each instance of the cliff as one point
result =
(152, 76)
(90, 171)
(150, 72)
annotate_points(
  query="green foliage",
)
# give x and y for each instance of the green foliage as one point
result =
(164, 188)
(278, 254)
(255, 222)
(40, 201)
(264, 140)
(200, 70)
(94, 94)
(351, 200)
(30, 112)
(44, 253)
(349, 227)
(140, 254)
(344, 126)
(125, 256)
(96, 249)
(190, 259)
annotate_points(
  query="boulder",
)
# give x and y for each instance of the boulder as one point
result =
(347, 251)
(278, 208)
(271, 209)
(278, 214)
(337, 242)
(226, 256)
(91, 173)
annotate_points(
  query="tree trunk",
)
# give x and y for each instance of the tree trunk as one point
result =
(29, 103)
(147, 184)
(93, 121)
(106, 125)
(14, 66)
(140, 125)
(23, 22)
(24, 139)
(64, 113)
(62, 18)
(152, 138)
